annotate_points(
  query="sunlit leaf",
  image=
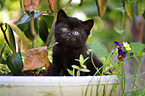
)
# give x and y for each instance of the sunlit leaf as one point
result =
(85, 70)
(52, 5)
(102, 5)
(70, 72)
(15, 65)
(81, 60)
(140, 7)
(43, 30)
(119, 30)
(75, 67)
(19, 33)
(30, 5)
(84, 66)
(129, 9)
(36, 58)
(11, 40)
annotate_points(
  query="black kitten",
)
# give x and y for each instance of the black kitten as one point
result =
(71, 35)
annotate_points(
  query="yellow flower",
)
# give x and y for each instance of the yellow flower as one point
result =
(126, 45)
(116, 50)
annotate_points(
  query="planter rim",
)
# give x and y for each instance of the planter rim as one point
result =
(57, 80)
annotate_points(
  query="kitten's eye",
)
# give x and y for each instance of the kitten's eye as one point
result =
(76, 33)
(64, 29)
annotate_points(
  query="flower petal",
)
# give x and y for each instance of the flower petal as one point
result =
(116, 43)
(124, 54)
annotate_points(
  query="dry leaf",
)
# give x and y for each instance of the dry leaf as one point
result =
(52, 5)
(30, 5)
(36, 58)
(102, 5)
(129, 9)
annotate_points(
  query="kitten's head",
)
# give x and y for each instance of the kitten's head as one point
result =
(70, 31)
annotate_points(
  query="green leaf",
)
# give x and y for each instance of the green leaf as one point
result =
(19, 33)
(139, 53)
(24, 24)
(48, 20)
(75, 67)
(70, 72)
(15, 65)
(86, 59)
(85, 70)
(99, 50)
(129, 9)
(2, 61)
(84, 66)
(121, 9)
(11, 39)
(28, 34)
(143, 15)
(136, 46)
(139, 92)
(90, 40)
(119, 30)
(2, 50)
(140, 7)
(81, 60)
(43, 30)
(102, 5)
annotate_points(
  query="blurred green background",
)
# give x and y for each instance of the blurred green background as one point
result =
(103, 31)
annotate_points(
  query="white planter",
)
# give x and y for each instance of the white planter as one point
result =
(59, 86)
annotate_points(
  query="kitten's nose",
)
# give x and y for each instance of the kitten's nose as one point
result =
(68, 34)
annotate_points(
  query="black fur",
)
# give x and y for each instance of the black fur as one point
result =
(71, 35)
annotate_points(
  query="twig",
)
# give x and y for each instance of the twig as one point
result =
(53, 45)
(32, 29)
(51, 32)
(67, 4)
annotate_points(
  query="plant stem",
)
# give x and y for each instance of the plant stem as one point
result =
(19, 40)
(124, 77)
(123, 71)
(67, 4)
(51, 32)
(58, 4)
(32, 29)
(122, 26)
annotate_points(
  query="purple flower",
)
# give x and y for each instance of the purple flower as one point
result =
(121, 53)
(110, 70)
(118, 45)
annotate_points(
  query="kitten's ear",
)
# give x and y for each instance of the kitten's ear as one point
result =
(61, 14)
(88, 25)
